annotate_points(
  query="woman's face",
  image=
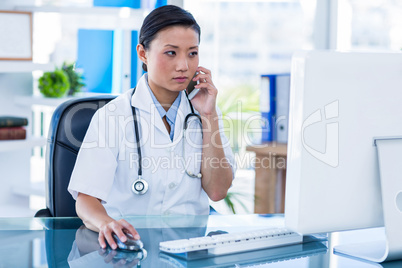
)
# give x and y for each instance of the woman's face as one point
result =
(172, 59)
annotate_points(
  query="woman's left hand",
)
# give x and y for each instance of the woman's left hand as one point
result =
(205, 100)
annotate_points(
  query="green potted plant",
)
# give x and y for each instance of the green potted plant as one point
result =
(243, 99)
(75, 78)
(54, 84)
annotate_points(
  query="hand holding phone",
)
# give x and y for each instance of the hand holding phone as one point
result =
(191, 90)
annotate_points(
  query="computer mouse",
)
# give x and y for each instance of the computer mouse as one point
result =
(130, 244)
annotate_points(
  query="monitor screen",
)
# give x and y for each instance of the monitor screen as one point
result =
(339, 103)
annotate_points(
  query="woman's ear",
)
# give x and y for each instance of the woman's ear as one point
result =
(141, 53)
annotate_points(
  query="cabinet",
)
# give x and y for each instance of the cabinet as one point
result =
(16, 81)
(270, 177)
(55, 36)
(22, 163)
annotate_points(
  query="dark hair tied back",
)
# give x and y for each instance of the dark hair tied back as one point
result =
(162, 18)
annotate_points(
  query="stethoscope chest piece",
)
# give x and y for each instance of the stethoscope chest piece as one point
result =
(139, 186)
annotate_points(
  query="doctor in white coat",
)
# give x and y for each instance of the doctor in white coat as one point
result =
(136, 158)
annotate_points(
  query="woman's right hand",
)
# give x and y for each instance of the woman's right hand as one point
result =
(120, 228)
(95, 218)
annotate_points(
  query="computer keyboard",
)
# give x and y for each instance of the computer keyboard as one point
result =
(232, 243)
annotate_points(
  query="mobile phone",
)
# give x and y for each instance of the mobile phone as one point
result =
(191, 90)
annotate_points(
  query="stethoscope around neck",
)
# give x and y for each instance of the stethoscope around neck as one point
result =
(140, 186)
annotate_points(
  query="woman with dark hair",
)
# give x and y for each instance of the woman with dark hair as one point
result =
(152, 151)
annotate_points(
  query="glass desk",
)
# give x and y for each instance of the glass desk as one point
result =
(65, 242)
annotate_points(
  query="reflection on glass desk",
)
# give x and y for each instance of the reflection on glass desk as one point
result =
(263, 256)
(65, 242)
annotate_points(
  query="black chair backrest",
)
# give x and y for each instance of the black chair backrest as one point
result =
(68, 126)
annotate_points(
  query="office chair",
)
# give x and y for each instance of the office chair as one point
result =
(67, 129)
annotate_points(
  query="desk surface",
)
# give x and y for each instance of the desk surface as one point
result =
(64, 242)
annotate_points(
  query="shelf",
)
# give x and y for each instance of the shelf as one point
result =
(13, 211)
(37, 188)
(10, 145)
(10, 66)
(115, 17)
(122, 12)
(40, 100)
(53, 102)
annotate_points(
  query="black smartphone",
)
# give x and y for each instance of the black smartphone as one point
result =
(191, 90)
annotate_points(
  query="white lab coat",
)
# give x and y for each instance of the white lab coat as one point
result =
(107, 163)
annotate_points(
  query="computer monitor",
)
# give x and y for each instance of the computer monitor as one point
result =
(345, 126)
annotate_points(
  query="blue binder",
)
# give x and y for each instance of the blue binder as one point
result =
(282, 92)
(267, 107)
(274, 107)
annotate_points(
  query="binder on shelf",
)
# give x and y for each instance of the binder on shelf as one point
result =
(267, 107)
(282, 108)
(274, 107)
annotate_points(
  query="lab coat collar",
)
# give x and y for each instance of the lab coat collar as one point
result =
(142, 100)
